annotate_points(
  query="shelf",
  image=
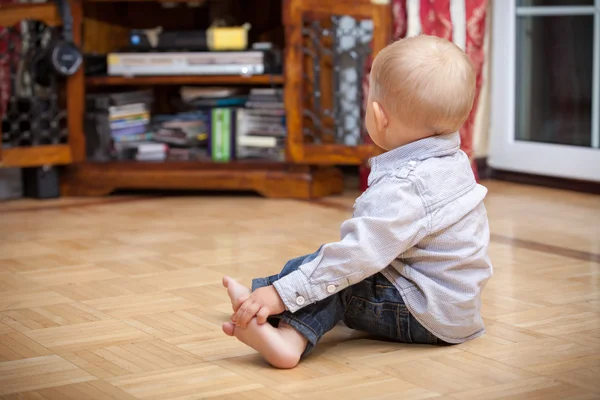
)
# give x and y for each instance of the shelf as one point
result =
(271, 179)
(11, 14)
(131, 165)
(184, 80)
(36, 156)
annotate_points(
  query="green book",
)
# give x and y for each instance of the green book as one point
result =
(222, 134)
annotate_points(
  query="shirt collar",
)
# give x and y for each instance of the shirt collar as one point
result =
(433, 146)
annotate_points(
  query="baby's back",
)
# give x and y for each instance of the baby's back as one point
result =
(441, 277)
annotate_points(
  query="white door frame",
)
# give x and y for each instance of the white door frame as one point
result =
(505, 152)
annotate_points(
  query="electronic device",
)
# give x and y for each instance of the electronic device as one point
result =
(60, 56)
(41, 182)
(159, 40)
(193, 63)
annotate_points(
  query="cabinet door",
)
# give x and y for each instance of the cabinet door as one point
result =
(328, 47)
(38, 126)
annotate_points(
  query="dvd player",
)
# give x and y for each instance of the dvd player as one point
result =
(191, 63)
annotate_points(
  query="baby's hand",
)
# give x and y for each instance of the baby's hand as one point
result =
(260, 303)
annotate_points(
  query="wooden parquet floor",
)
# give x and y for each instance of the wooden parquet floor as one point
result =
(120, 298)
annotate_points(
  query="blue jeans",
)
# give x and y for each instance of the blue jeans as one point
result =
(373, 305)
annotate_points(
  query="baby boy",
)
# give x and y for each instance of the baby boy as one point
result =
(412, 261)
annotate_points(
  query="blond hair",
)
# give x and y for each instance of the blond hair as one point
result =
(426, 82)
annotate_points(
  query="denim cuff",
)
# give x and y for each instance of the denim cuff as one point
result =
(304, 326)
(260, 282)
(307, 327)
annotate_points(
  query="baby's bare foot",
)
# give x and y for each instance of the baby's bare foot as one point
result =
(236, 291)
(281, 347)
(229, 328)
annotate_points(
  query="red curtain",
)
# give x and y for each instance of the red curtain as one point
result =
(435, 19)
(5, 60)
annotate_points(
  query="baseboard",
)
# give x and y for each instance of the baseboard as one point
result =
(546, 181)
(483, 169)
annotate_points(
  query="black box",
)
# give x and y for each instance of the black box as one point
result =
(41, 183)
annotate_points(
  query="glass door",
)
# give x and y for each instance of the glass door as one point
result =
(546, 87)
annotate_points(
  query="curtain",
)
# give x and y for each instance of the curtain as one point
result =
(6, 59)
(460, 21)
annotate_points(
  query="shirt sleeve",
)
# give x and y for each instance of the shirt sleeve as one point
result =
(391, 218)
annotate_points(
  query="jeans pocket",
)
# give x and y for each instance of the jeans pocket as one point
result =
(379, 319)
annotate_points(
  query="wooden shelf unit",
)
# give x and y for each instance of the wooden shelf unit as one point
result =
(309, 170)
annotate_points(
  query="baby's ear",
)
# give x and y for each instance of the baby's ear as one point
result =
(381, 120)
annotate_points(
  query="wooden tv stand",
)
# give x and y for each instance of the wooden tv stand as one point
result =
(310, 167)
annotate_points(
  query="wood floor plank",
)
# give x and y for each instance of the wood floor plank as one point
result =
(13, 282)
(70, 274)
(191, 277)
(182, 383)
(455, 373)
(543, 356)
(211, 346)
(92, 390)
(131, 358)
(16, 346)
(39, 372)
(50, 316)
(87, 336)
(140, 304)
(24, 299)
(535, 388)
(558, 320)
(356, 385)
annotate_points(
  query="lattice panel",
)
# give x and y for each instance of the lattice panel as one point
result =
(335, 51)
(31, 115)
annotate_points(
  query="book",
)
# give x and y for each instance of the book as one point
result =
(189, 93)
(262, 153)
(259, 112)
(264, 98)
(258, 141)
(117, 112)
(153, 156)
(141, 151)
(139, 119)
(222, 134)
(143, 147)
(266, 92)
(221, 102)
(134, 138)
(132, 130)
(265, 104)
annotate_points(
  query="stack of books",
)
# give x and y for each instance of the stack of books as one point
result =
(186, 134)
(115, 118)
(129, 123)
(261, 127)
(131, 133)
(143, 151)
(219, 106)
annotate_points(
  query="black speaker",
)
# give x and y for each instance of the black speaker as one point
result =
(41, 183)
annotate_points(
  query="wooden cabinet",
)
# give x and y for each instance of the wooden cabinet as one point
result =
(318, 138)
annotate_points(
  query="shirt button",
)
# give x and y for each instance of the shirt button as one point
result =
(330, 289)
(300, 300)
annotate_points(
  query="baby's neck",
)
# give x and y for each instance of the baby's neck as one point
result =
(398, 134)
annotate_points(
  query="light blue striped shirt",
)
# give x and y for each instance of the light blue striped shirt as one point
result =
(423, 224)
